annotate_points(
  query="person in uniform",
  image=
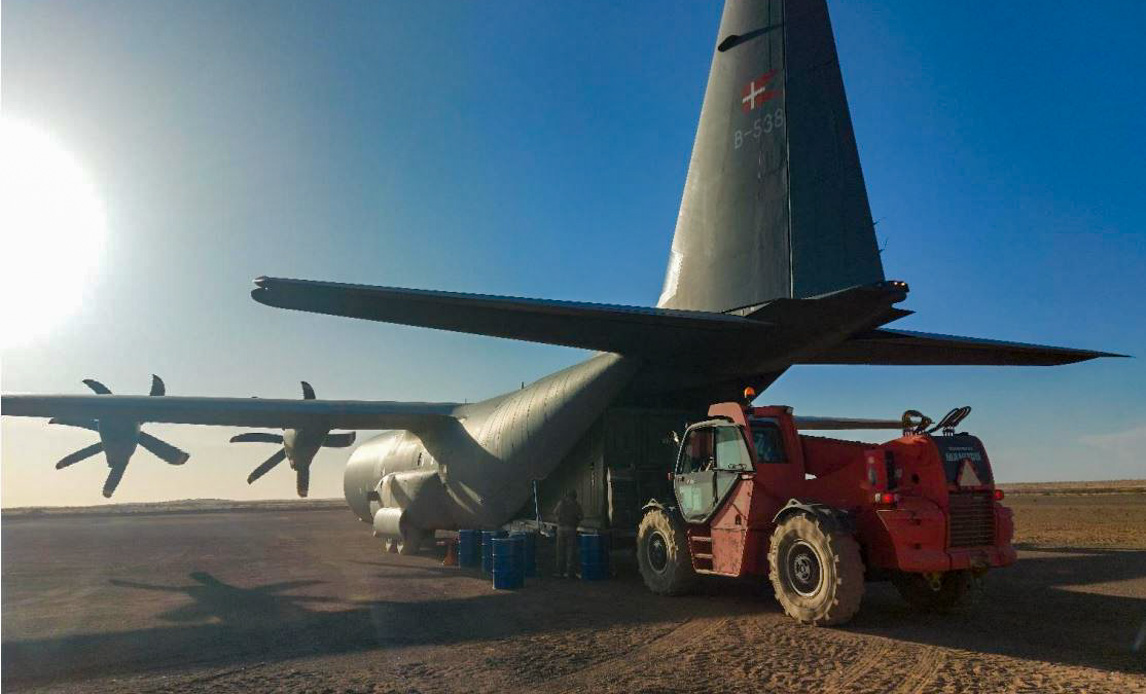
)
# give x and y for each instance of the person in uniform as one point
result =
(569, 516)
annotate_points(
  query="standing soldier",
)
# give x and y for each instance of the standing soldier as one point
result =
(569, 515)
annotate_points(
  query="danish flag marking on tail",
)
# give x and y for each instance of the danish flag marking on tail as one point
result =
(756, 92)
(967, 475)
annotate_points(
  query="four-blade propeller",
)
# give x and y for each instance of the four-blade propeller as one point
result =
(118, 439)
(299, 446)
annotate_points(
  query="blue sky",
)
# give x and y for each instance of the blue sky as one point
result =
(540, 150)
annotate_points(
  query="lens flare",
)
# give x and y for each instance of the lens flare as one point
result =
(52, 226)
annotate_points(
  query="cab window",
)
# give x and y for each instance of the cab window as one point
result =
(768, 441)
(731, 451)
(696, 455)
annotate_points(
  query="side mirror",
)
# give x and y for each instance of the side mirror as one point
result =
(669, 476)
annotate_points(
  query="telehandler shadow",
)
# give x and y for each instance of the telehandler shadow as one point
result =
(1054, 605)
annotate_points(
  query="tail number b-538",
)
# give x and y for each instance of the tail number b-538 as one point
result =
(760, 127)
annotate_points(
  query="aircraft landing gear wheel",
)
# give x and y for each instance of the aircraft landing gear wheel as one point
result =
(816, 572)
(662, 553)
(409, 542)
(943, 595)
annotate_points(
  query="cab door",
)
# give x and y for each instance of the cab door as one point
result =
(712, 459)
(694, 481)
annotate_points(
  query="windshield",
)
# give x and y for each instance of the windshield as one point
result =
(731, 453)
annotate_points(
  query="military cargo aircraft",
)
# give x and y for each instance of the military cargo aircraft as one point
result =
(774, 263)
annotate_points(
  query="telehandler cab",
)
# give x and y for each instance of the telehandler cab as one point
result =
(819, 516)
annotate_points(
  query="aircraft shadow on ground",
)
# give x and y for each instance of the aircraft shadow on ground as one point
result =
(1033, 615)
(262, 623)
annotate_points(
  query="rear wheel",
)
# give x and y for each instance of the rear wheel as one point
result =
(943, 595)
(816, 572)
(662, 553)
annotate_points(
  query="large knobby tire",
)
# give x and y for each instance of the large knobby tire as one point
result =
(816, 571)
(954, 587)
(663, 556)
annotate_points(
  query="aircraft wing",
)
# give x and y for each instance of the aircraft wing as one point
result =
(903, 347)
(238, 412)
(627, 330)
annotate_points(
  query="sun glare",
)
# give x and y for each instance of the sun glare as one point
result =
(51, 233)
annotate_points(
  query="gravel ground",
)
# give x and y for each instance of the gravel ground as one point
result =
(305, 600)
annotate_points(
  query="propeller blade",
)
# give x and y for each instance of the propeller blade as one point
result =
(339, 440)
(157, 387)
(303, 480)
(278, 457)
(257, 437)
(113, 478)
(99, 388)
(163, 450)
(307, 391)
(79, 455)
(89, 424)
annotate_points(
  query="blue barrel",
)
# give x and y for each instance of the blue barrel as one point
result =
(469, 549)
(507, 574)
(594, 556)
(487, 538)
(528, 552)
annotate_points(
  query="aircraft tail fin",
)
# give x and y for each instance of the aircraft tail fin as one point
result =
(774, 205)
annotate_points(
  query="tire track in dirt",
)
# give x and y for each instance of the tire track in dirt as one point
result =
(872, 656)
(673, 641)
(923, 670)
(875, 654)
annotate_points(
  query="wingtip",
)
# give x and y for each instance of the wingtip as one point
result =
(1082, 355)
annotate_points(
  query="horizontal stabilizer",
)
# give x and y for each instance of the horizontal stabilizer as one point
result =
(902, 347)
(238, 412)
(627, 330)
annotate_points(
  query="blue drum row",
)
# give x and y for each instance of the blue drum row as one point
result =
(594, 549)
(513, 558)
(477, 548)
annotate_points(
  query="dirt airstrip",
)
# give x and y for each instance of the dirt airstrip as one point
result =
(301, 598)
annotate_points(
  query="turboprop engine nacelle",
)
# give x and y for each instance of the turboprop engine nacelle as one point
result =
(393, 451)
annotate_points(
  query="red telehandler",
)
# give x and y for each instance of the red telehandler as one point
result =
(819, 516)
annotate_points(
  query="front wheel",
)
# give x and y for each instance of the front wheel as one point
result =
(662, 553)
(816, 572)
(942, 595)
(409, 542)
